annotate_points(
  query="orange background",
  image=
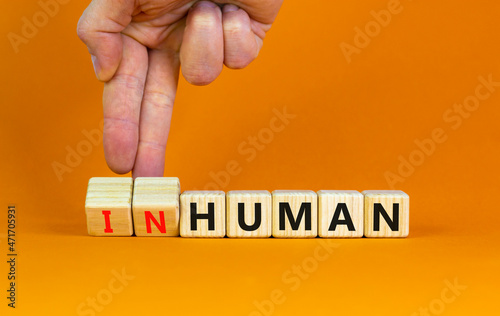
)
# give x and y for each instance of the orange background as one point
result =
(353, 122)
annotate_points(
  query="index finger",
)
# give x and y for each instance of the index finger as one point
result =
(99, 28)
(122, 99)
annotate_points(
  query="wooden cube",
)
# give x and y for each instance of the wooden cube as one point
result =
(340, 213)
(387, 213)
(108, 207)
(157, 184)
(295, 214)
(203, 214)
(155, 206)
(110, 180)
(248, 214)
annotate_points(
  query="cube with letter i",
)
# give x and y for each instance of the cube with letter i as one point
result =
(108, 207)
(203, 214)
(155, 206)
(340, 213)
(248, 214)
(295, 214)
(387, 213)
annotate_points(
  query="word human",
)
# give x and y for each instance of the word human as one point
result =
(156, 207)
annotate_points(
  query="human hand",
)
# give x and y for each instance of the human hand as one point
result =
(137, 47)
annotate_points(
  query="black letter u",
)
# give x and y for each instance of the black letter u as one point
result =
(241, 217)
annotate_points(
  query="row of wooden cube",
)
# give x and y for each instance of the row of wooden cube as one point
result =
(156, 207)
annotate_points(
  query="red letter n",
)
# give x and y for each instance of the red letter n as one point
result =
(149, 217)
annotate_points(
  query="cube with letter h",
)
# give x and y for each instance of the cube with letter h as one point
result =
(387, 213)
(203, 214)
(295, 214)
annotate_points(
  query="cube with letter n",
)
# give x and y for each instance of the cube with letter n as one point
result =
(387, 213)
(155, 206)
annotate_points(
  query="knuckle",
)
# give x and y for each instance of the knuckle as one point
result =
(130, 81)
(153, 144)
(82, 30)
(159, 100)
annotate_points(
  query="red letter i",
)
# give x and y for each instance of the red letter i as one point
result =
(108, 228)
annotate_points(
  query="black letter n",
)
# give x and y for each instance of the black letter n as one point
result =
(378, 209)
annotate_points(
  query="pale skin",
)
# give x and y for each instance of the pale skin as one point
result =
(137, 48)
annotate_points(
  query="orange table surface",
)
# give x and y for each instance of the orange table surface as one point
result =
(415, 109)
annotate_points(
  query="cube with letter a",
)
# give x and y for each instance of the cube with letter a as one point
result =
(340, 213)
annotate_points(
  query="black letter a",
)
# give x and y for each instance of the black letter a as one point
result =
(341, 207)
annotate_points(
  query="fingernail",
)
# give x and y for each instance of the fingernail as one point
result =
(204, 4)
(230, 8)
(97, 68)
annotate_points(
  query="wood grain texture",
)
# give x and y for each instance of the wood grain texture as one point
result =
(201, 202)
(378, 201)
(110, 180)
(335, 204)
(295, 202)
(253, 203)
(148, 185)
(113, 195)
(155, 206)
